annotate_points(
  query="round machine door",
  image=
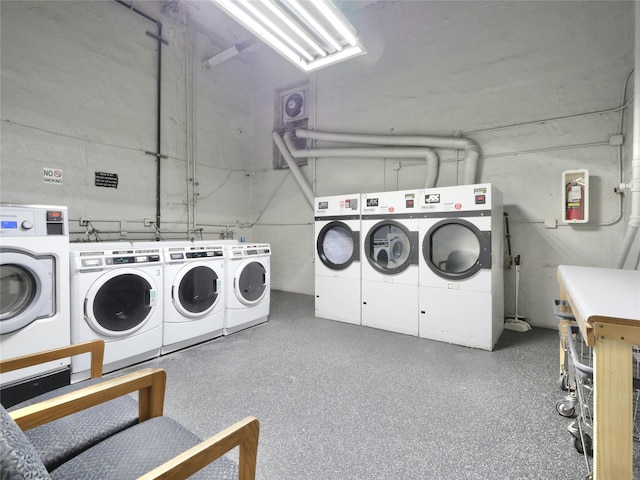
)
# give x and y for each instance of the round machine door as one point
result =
(27, 290)
(338, 245)
(390, 247)
(250, 282)
(456, 249)
(196, 290)
(120, 302)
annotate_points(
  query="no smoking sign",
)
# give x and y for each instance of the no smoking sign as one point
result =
(52, 175)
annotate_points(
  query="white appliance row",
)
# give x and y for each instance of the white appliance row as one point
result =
(419, 262)
(143, 298)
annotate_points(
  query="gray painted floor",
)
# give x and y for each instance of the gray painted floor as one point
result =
(337, 401)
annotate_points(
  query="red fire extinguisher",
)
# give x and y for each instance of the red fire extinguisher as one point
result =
(575, 200)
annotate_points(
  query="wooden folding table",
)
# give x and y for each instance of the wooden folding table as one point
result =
(606, 304)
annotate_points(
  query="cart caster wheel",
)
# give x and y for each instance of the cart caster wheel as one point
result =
(562, 382)
(589, 476)
(587, 447)
(563, 410)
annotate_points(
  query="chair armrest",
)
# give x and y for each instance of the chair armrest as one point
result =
(149, 383)
(243, 434)
(94, 347)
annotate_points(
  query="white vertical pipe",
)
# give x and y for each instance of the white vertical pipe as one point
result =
(295, 169)
(634, 216)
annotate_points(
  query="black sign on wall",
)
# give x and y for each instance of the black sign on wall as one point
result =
(109, 180)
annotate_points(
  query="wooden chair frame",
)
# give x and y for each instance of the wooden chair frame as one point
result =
(150, 385)
(93, 347)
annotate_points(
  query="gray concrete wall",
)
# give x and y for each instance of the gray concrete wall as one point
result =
(439, 68)
(78, 95)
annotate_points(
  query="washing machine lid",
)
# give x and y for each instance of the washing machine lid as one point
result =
(120, 302)
(338, 245)
(196, 290)
(27, 289)
(390, 247)
(251, 282)
(456, 249)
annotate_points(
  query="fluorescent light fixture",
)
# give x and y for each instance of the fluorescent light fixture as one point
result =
(312, 34)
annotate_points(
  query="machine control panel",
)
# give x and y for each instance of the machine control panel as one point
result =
(180, 254)
(123, 260)
(29, 221)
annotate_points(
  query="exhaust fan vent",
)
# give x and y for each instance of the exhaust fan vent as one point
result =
(294, 107)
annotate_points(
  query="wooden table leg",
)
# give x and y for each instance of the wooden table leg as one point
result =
(613, 422)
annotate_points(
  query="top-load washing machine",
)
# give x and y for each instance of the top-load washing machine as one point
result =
(337, 258)
(248, 285)
(194, 303)
(34, 286)
(461, 265)
(116, 295)
(389, 256)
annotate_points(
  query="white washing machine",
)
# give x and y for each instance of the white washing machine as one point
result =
(116, 295)
(337, 258)
(34, 285)
(194, 302)
(461, 265)
(390, 261)
(248, 284)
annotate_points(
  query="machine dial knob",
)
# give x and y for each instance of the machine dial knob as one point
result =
(27, 225)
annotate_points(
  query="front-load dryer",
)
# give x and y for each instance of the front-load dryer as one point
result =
(34, 286)
(461, 270)
(390, 261)
(248, 285)
(116, 296)
(337, 258)
(194, 302)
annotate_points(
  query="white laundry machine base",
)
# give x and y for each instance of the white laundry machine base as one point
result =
(237, 319)
(146, 344)
(176, 336)
(338, 299)
(390, 306)
(459, 317)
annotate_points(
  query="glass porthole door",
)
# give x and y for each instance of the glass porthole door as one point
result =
(338, 245)
(456, 249)
(391, 247)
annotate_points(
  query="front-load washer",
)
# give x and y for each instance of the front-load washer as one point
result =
(390, 261)
(34, 286)
(116, 296)
(194, 302)
(337, 258)
(248, 284)
(461, 269)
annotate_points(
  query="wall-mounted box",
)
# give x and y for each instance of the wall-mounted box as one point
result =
(575, 196)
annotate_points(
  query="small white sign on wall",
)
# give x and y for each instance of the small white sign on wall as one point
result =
(52, 175)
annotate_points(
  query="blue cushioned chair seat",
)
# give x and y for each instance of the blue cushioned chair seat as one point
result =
(137, 450)
(18, 459)
(58, 441)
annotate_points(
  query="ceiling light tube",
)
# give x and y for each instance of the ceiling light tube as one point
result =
(294, 27)
(274, 28)
(347, 52)
(259, 30)
(319, 29)
(329, 11)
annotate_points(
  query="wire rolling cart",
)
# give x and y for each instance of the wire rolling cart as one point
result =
(581, 428)
(567, 406)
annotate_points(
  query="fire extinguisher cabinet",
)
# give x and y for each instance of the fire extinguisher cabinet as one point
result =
(575, 196)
